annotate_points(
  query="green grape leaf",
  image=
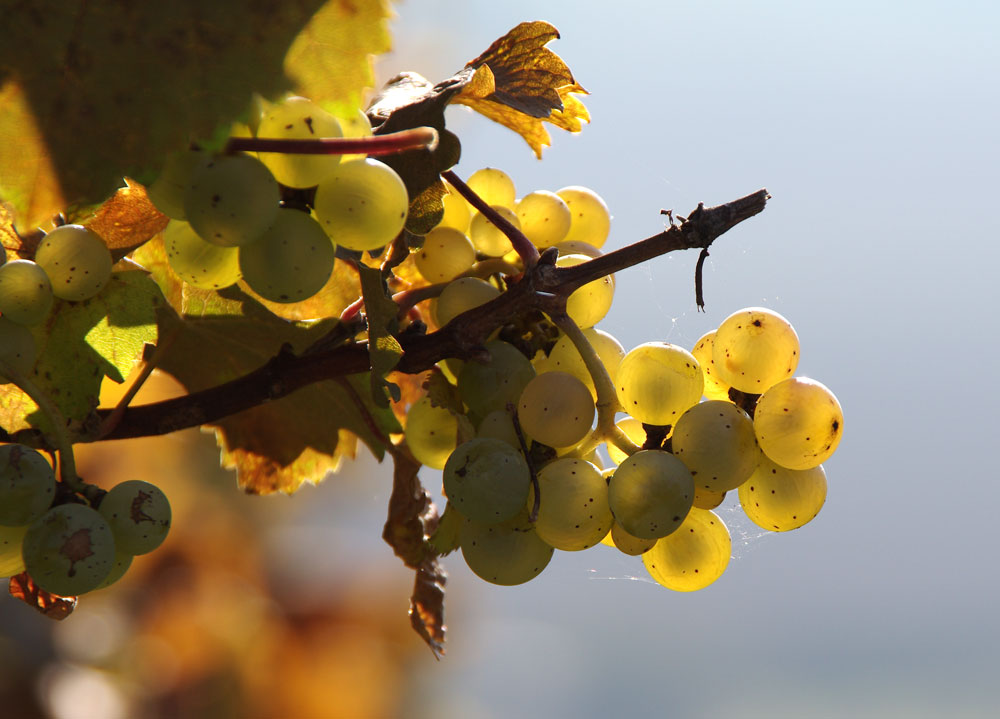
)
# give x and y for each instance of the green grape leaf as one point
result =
(82, 342)
(93, 90)
(277, 446)
(383, 348)
(445, 539)
(443, 393)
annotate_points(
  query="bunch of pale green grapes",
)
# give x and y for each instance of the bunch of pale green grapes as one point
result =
(66, 545)
(231, 218)
(71, 263)
(530, 421)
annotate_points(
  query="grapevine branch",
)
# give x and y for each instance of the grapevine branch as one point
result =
(543, 286)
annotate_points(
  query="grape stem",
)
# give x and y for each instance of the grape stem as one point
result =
(522, 245)
(59, 437)
(461, 337)
(391, 143)
(536, 503)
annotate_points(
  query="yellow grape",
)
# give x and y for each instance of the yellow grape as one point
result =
(565, 357)
(487, 237)
(715, 440)
(634, 431)
(431, 433)
(201, 264)
(591, 221)
(555, 408)
(798, 423)
(298, 118)
(587, 305)
(626, 543)
(714, 388)
(754, 348)
(657, 382)
(76, 260)
(544, 217)
(460, 296)
(573, 513)
(494, 187)
(781, 499)
(446, 254)
(362, 204)
(692, 557)
(650, 493)
(457, 213)
(507, 553)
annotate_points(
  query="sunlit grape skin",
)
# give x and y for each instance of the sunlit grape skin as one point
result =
(486, 480)
(201, 264)
(298, 118)
(555, 408)
(692, 557)
(780, 499)
(650, 493)
(76, 260)
(573, 513)
(590, 219)
(362, 204)
(25, 292)
(798, 423)
(232, 200)
(431, 433)
(753, 349)
(658, 381)
(507, 553)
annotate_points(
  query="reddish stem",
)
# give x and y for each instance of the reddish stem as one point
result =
(389, 144)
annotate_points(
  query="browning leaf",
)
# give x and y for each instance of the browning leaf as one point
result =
(427, 605)
(127, 219)
(23, 587)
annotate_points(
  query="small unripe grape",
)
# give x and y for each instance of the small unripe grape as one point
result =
(232, 200)
(27, 485)
(76, 260)
(139, 515)
(17, 348)
(25, 292)
(69, 550)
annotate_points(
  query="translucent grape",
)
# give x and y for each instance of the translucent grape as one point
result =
(590, 219)
(780, 499)
(576, 247)
(754, 348)
(457, 213)
(692, 557)
(431, 433)
(573, 513)
(499, 424)
(17, 348)
(167, 191)
(587, 305)
(657, 382)
(362, 205)
(565, 357)
(488, 387)
(707, 499)
(650, 493)
(716, 441)
(201, 264)
(494, 187)
(11, 559)
(232, 200)
(556, 409)
(139, 515)
(298, 118)
(634, 430)
(354, 123)
(69, 550)
(292, 261)
(487, 237)
(25, 292)
(486, 480)
(627, 544)
(446, 254)
(27, 485)
(462, 295)
(544, 217)
(122, 561)
(508, 553)
(76, 260)
(798, 423)
(714, 388)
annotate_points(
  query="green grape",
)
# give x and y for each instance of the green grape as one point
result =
(714, 389)
(25, 292)
(692, 557)
(17, 348)
(507, 553)
(555, 408)
(431, 433)
(457, 212)
(780, 499)
(122, 561)
(573, 513)
(576, 247)
(362, 204)
(201, 264)
(11, 559)
(587, 305)
(446, 254)
(716, 441)
(354, 124)
(69, 550)
(292, 261)
(232, 200)
(565, 357)
(486, 480)
(627, 544)
(755, 348)
(707, 499)
(651, 493)
(657, 382)
(493, 186)
(298, 118)
(544, 217)
(139, 515)
(27, 485)
(488, 387)
(76, 260)
(167, 191)
(499, 424)
(798, 423)
(460, 296)
(591, 221)
(487, 237)
(634, 430)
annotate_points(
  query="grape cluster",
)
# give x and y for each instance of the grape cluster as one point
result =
(71, 263)
(521, 470)
(275, 220)
(67, 545)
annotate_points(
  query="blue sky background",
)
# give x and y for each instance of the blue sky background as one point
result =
(875, 128)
